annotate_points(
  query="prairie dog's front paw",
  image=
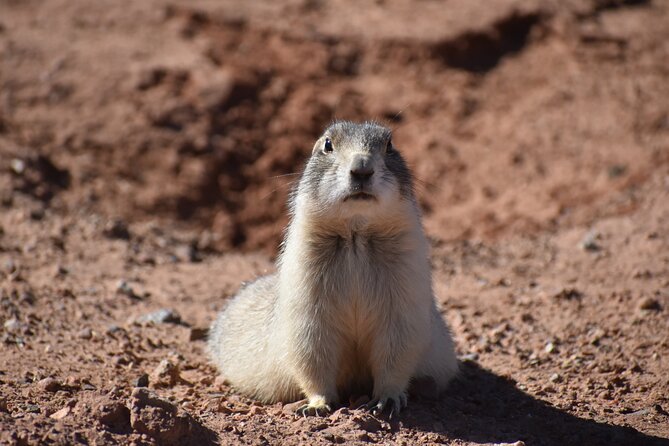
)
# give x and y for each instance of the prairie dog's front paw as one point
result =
(317, 405)
(394, 401)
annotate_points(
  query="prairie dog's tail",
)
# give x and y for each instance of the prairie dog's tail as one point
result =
(241, 344)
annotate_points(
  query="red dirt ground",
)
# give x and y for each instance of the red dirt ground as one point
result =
(146, 150)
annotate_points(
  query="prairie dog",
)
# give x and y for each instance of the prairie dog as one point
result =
(351, 306)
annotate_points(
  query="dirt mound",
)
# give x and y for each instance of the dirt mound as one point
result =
(208, 120)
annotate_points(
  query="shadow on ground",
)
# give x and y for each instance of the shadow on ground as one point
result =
(482, 407)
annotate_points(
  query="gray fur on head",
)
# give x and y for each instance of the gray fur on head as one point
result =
(326, 180)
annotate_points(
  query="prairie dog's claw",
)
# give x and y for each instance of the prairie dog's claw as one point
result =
(395, 403)
(317, 407)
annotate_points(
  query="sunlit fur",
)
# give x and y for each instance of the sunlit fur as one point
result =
(351, 307)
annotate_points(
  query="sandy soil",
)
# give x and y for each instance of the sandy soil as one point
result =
(146, 150)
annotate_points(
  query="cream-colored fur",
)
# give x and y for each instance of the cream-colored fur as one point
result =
(351, 304)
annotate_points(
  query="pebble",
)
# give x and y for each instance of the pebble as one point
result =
(256, 410)
(166, 374)
(114, 329)
(568, 294)
(12, 325)
(292, 407)
(555, 378)
(27, 297)
(142, 381)
(589, 241)
(187, 253)
(49, 384)
(10, 266)
(18, 166)
(360, 435)
(196, 333)
(368, 423)
(650, 304)
(60, 414)
(123, 288)
(116, 229)
(162, 316)
(61, 271)
(469, 357)
(550, 348)
(85, 333)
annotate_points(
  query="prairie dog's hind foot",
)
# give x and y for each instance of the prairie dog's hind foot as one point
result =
(317, 405)
(394, 403)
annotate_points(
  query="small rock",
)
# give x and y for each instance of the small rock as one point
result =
(569, 294)
(85, 333)
(650, 304)
(187, 405)
(187, 253)
(555, 378)
(10, 266)
(112, 414)
(368, 423)
(589, 241)
(162, 316)
(359, 435)
(596, 335)
(165, 375)
(164, 422)
(32, 408)
(27, 297)
(62, 413)
(116, 229)
(469, 357)
(18, 166)
(72, 381)
(256, 410)
(123, 288)
(3, 405)
(292, 407)
(196, 334)
(142, 381)
(49, 384)
(61, 271)
(616, 170)
(37, 214)
(13, 325)
(550, 348)
(658, 408)
(329, 436)
(114, 329)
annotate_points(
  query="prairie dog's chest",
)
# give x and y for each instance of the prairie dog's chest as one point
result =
(360, 268)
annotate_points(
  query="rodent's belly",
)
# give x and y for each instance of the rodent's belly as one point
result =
(354, 375)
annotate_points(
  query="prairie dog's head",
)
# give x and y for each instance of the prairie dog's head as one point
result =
(354, 170)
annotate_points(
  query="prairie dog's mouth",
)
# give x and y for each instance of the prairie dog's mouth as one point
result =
(362, 196)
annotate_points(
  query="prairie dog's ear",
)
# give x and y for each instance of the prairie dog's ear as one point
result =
(318, 145)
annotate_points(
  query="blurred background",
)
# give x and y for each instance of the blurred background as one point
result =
(516, 115)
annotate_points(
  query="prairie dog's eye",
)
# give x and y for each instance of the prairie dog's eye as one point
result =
(327, 147)
(389, 146)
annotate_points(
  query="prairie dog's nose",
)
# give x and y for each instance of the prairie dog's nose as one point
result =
(361, 169)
